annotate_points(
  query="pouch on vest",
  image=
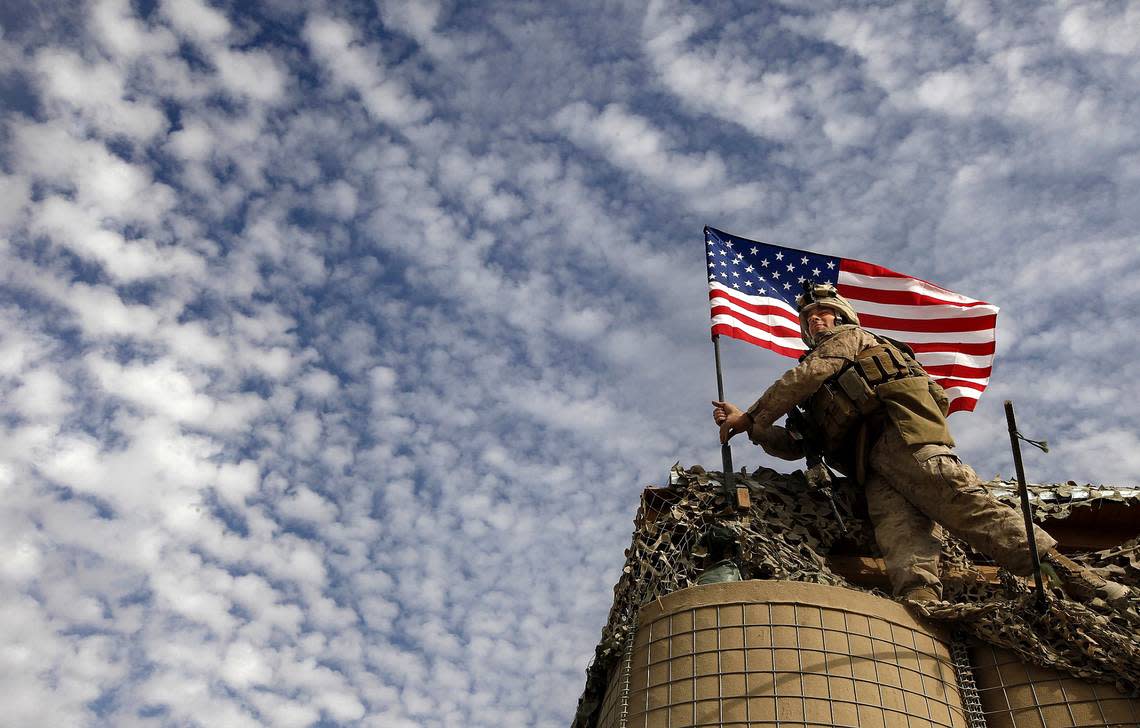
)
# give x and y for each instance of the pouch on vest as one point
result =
(834, 413)
(911, 407)
(856, 387)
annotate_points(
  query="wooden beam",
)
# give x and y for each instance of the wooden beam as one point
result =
(872, 572)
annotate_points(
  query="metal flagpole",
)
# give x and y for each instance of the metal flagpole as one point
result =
(1014, 435)
(738, 493)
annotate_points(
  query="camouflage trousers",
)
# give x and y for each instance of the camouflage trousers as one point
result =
(910, 490)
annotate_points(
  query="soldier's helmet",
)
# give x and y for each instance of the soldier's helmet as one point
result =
(817, 295)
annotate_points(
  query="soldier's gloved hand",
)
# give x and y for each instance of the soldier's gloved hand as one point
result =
(732, 420)
(818, 476)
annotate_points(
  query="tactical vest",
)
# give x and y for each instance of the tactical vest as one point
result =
(882, 381)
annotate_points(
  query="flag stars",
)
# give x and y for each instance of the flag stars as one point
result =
(749, 284)
(804, 260)
(791, 267)
(728, 243)
(776, 274)
(779, 256)
(831, 265)
(755, 251)
(735, 274)
(801, 279)
(749, 269)
(815, 271)
(787, 286)
(764, 262)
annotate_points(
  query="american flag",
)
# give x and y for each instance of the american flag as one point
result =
(753, 288)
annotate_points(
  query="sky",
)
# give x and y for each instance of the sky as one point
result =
(338, 341)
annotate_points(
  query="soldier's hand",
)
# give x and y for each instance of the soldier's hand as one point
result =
(732, 419)
(818, 476)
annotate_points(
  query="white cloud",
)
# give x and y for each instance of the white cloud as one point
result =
(359, 67)
(252, 73)
(98, 92)
(194, 142)
(1093, 27)
(717, 80)
(42, 393)
(632, 143)
(197, 20)
(105, 184)
(305, 505)
(125, 35)
(14, 197)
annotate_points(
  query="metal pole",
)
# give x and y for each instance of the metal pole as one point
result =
(725, 449)
(1025, 510)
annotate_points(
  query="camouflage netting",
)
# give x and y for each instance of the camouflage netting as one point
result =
(789, 530)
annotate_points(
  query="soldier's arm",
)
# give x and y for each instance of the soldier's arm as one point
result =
(939, 395)
(777, 442)
(802, 380)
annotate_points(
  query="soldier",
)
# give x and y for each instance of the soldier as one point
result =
(882, 420)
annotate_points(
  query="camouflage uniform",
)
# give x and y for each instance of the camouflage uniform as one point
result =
(902, 453)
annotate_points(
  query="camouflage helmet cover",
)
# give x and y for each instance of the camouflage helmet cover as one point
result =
(817, 295)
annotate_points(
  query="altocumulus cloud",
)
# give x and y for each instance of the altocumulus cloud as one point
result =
(336, 342)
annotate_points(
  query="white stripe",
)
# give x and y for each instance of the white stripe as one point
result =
(936, 337)
(946, 311)
(772, 319)
(789, 342)
(757, 300)
(940, 359)
(888, 283)
(962, 392)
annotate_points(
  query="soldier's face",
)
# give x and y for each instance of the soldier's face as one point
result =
(820, 319)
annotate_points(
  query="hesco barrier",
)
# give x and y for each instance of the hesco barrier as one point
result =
(781, 653)
(1017, 695)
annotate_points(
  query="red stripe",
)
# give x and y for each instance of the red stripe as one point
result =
(948, 382)
(868, 269)
(858, 267)
(756, 308)
(982, 349)
(958, 370)
(775, 329)
(736, 333)
(898, 298)
(943, 325)
(962, 404)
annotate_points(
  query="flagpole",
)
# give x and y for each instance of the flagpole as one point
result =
(739, 494)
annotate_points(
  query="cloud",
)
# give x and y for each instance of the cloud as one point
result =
(359, 67)
(632, 143)
(98, 90)
(1089, 28)
(197, 20)
(721, 79)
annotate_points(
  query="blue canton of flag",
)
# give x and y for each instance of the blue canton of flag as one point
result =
(760, 269)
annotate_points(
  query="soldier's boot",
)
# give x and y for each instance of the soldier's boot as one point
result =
(1083, 584)
(921, 594)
